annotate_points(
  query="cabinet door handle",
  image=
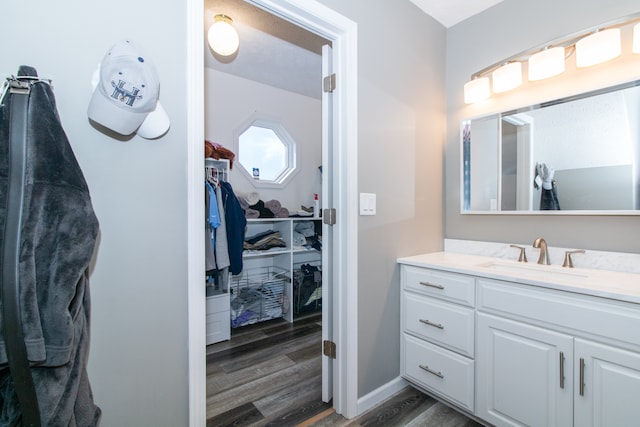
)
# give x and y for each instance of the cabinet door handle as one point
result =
(581, 376)
(431, 371)
(561, 369)
(435, 325)
(432, 285)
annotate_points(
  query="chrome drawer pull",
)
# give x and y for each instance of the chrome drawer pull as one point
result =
(561, 369)
(426, 368)
(581, 376)
(432, 285)
(435, 325)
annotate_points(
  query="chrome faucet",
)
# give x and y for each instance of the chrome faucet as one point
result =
(544, 252)
(568, 261)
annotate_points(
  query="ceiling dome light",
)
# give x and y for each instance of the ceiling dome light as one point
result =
(546, 63)
(507, 77)
(636, 38)
(476, 90)
(222, 37)
(598, 47)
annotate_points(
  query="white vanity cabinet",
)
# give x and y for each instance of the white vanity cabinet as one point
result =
(437, 343)
(520, 350)
(549, 358)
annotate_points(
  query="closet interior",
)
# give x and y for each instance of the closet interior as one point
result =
(281, 266)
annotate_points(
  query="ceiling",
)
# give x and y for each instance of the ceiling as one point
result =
(272, 51)
(277, 53)
(450, 12)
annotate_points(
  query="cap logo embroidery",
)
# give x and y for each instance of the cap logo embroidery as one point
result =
(123, 95)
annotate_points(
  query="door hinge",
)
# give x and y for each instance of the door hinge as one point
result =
(329, 216)
(329, 349)
(329, 83)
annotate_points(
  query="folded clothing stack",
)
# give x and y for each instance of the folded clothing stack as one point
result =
(264, 241)
(261, 209)
(306, 228)
(310, 231)
(298, 240)
(276, 208)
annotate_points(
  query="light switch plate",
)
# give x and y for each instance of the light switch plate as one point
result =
(367, 204)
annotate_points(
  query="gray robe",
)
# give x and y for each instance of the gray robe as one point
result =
(57, 239)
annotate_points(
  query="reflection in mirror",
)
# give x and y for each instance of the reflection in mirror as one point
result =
(584, 151)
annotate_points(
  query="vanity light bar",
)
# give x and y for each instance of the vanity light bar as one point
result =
(592, 46)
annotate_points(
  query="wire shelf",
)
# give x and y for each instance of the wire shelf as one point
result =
(257, 295)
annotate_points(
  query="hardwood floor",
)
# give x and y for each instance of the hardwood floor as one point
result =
(269, 374)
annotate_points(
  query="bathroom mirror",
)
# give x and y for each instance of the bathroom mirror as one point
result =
(587, 148)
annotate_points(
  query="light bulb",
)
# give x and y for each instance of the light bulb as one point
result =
(547, 63)
(598, 47)
(222, 37)
(507, 77)
(476, 90)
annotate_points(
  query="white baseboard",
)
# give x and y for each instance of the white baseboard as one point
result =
(381, 394)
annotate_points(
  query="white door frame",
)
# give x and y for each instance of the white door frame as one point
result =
(342, 32)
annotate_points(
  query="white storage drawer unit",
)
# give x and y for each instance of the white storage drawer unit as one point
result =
(438, 329)
(218, 320)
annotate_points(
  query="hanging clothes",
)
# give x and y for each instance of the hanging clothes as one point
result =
(49, 236)
(212, 222)
(549, 199)
(549, 194)
(236, 225)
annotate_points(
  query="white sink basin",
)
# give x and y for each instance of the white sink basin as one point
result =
(539, 271)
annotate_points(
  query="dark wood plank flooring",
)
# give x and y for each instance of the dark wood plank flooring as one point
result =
(270, 374)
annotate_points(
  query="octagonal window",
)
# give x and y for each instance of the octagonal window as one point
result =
(266, 152)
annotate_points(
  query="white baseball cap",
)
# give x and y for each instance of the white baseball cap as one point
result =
(155, 124)
(127, 92)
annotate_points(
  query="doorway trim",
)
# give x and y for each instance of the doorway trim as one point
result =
(342, 32)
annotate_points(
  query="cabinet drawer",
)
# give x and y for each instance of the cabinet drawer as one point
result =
(218, 303)
(218, 327)
(446, 324)
(593, 317)
(448, 374)
(453, 287)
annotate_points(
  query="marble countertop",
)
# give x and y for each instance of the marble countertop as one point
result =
(615, 285)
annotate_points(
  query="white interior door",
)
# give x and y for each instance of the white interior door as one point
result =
(524, 179)
(327, 230)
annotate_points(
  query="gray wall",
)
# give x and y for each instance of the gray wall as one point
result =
(138, 360)
(508, 28)
(400, 144)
